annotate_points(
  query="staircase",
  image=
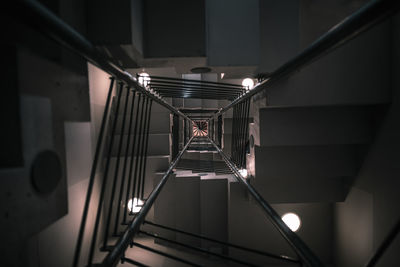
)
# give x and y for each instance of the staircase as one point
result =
(303, 142)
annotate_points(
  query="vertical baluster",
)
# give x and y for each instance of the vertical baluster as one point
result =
(233, 132)
(103, 186)
(175, 135)
(220, 127)
(137, 152)
(243, 137)
(146, 122)
(184, 131)
(93, 174)
(116, 171)
(131, 161)
(238, 132)
(246, 132)
(125, 165)
(145, 151)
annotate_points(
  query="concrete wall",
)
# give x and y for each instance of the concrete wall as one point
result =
(279, 33)
(105, 17)
(371, 208)
(137, 24)
(232, 32)
(55, 245)
(174, 28)
(318, 17)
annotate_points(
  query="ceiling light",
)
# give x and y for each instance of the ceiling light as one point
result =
(243, 172)
(292, 220)
(144, 79)
(248, 83)
(137, 205)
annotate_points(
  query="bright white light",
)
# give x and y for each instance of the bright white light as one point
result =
(137, 205)
(248, 83)
(222, 75)
(292, 221)
(144, 79)
(243, 172)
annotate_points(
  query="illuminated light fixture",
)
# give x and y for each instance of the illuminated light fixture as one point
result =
(137, 205)
(144, 79)
(243, 172)
(292, 220)
(222, 75)
(248, 83)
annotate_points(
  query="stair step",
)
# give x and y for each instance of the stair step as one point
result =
(151, 259)
(187, 208)
(298, 162)
(164, 206)
(358, 72)
(312, 189)
(214, 212)
(296, 126)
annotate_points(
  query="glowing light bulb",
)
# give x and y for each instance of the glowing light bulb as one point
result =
(144, 79)
(135, 206)
(248, 83)
(292, 220)
(243, 172)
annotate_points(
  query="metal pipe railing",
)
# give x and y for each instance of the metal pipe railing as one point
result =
(301, 249)
(259, 252)
(123, 242)
(36, 15)
(198, 249)
(133, 262)
(394, 231)
(167, 255)
(360, 21)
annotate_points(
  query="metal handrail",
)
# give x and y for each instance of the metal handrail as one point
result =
(259, 252)
(167, 255)
(367, 16)
(301, 249)
(123, 242)
(394, 231)
(35, 14)
(199, 249)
